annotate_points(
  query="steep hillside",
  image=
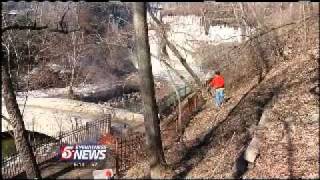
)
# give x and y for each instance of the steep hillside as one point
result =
(289, 138)
(286, 100)
(280, 109)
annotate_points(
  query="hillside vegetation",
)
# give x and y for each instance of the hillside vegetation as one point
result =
(70, 61)
(274, 99)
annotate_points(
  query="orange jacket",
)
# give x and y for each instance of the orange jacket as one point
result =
(217, 82)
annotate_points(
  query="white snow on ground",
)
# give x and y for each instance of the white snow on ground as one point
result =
(50, 115)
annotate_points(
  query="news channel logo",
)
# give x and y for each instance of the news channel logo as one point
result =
(83, 153)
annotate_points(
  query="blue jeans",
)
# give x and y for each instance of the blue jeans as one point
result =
(219, 96)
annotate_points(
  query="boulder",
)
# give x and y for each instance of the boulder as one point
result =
(252, 151)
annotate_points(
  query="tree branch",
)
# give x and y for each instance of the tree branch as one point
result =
(174, 49)
(164, 60)
(36, 28)
(251, 38)
(7, 119)
(20, 27)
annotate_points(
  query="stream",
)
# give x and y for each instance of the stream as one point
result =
(50, 107)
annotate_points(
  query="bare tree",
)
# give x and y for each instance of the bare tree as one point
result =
(23, 145)
(165, 62)
(151, 120)
(20, 134)
(305, 25)
(164, 53)
(174, 49)
(164, 56)
(73, 58)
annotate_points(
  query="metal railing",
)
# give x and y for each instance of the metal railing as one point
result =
(128, 151)
(171, 100)
(192, 105)
(48, 148)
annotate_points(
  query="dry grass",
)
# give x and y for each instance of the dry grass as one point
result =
(279, 157)
(218, 157)
(140, 170)
(290, 138)
(286, 95)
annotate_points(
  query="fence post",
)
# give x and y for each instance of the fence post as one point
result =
(195, 103)
(185, 90)
(125, 153)
(108, 129)
(87, 131)
(120, 154)
(117, 158)
(189, 106)
(60, 138)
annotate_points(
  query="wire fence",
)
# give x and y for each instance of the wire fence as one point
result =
(48, 149)
(168, 102)
(131, 149)
(128, 151)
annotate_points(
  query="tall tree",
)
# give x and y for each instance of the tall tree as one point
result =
(20, 134)
(151, 120)
(164, 56)
(175, 51)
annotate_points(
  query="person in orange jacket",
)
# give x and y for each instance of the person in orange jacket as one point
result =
(217, 84)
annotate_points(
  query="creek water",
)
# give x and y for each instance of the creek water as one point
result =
(129, 100)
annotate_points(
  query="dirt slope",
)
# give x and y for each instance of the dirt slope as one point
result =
(214, 142)
(289, 139)
(286, 99)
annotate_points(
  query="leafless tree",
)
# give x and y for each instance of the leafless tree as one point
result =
(20, 134)
(151, 120)
(73, 58)
(174, 49)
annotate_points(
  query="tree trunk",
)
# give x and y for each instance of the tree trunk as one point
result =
(305, 27)
(70, 89)
(184, 62)
(310, 8)
(241, 25)
(176, 72)
(164, 56)
(176, 52)
(151, 120)
(20, 134)
(243, 15)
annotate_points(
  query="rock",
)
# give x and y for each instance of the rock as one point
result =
(252, 150)
(250, 166)
(314, 118)
(263, 119)
(288, 119)
(252, 129)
